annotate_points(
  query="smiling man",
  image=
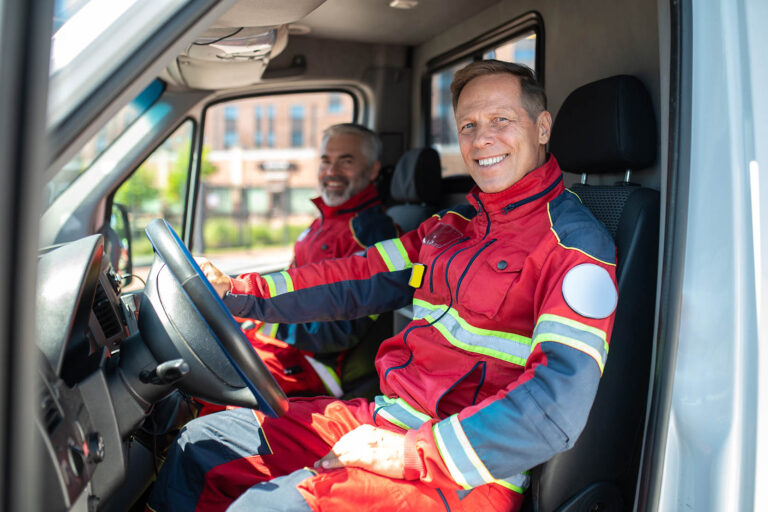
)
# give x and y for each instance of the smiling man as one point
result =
(513, 299)
(306, 359)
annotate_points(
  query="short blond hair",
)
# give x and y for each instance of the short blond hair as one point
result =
(533, 97)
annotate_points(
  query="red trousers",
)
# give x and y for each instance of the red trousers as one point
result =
(227, 453)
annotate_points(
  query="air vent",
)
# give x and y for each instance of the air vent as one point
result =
(105, 314)
(49, 412)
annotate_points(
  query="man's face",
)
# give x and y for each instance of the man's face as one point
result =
(498, 140)
(344, 169)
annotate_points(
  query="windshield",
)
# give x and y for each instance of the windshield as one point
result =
(91, 40)
(102, 141)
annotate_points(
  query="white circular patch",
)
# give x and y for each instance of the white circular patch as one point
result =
(589, 291)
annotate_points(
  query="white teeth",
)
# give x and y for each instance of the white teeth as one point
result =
(492, 160)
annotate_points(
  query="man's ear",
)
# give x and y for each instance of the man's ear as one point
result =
(373, 172)
(544, 126)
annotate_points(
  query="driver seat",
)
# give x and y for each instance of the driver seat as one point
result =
(608, 127)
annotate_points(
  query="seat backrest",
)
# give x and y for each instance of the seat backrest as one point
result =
(415, 188)
(608, 127)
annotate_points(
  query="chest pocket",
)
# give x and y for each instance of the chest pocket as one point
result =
(488, 282)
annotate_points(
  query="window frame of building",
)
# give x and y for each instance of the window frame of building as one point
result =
(230, 127)
(258, 134)
(474, 50)
(298, 115)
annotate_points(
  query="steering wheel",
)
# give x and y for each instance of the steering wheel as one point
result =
(211, 373)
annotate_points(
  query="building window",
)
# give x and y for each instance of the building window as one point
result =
(297, 126)
(230, 127)
(271, 126)
(521, 50)
(334, 103)
(258, 135)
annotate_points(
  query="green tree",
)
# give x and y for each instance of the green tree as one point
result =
(177, 180)
(138, 189)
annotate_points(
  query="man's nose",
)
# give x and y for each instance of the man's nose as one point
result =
(332, 169)
(484, 136)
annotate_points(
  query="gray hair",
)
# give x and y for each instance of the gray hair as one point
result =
(370, 143)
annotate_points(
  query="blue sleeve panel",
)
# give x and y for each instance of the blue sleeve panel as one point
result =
(324, 337)
(577, 228)
(373, 225)
(539, 418)
(382, 292)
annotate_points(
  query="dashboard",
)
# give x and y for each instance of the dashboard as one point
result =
(82, 322)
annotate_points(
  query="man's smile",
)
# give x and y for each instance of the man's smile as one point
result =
(486, 162)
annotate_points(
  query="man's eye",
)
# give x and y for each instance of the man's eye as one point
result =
(467, 126)
(502, 119)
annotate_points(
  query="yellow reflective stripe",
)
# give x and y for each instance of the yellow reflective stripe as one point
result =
(270, 329)
(330, 380)
(288, 281)
(383, 413)
(394, 254)
(511, 486)
(585, 338)
(279, 283)
(573, 343)
(455, 473)
(405, 405)
(506, 346)
(576, 325)
(270, 285)
(469, 451)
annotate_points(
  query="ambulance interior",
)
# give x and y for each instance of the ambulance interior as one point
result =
(609, 70)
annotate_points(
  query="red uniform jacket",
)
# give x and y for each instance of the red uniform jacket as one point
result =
(512, 317)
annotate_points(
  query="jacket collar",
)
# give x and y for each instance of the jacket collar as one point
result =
(542, 184)
(366, 198)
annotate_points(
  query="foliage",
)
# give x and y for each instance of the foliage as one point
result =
(220, 232)
(138, 190)
(226, 232)
(175, 188)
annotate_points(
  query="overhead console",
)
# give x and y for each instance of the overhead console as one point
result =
(236, 50)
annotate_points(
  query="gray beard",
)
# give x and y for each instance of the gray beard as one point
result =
(335, 198)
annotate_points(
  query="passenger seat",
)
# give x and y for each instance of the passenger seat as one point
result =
(415, 188)
(608, 126)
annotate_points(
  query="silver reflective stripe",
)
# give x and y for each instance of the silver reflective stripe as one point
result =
(269, 329)
(281, 283)
(394, 255)
(585, 338)
(327, 375)
(501, 345)
(398, 412)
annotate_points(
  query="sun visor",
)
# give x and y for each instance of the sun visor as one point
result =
(225, 58)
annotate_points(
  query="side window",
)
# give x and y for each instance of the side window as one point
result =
(442, 126)
(264, 157)
(157, 189)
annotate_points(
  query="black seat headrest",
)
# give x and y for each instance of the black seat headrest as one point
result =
(417, 177)
(605, 126)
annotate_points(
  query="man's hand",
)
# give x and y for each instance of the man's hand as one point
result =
(368, 447)
(220, 281)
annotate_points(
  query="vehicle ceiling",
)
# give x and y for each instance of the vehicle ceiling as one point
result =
(372, 21)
